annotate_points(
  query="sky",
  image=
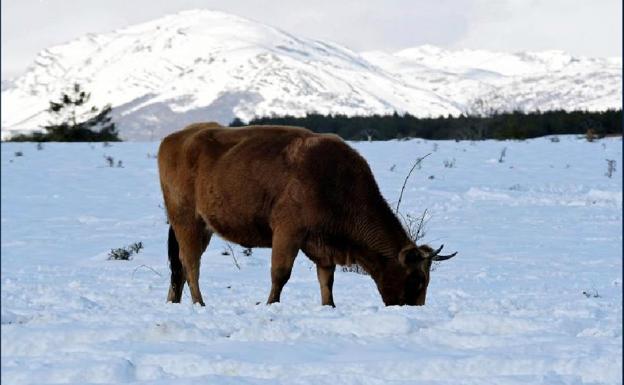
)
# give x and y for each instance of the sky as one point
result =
(581, 27)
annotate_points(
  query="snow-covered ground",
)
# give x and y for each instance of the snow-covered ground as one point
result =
(534, 296)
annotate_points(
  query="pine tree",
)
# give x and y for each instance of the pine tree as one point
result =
(237, 122)
(73, 122)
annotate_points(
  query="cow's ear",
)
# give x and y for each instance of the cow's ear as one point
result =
(410, 257)
(425, 251)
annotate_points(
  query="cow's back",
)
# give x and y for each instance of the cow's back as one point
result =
(230, 177)
(244, 181)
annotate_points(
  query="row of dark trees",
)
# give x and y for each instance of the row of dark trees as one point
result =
(73, 121)
(512, 125)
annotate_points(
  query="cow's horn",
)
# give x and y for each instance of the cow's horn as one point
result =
(435, 256)
(444, 257)
(435, 253)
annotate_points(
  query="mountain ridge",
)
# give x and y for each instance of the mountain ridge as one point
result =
(207, 65)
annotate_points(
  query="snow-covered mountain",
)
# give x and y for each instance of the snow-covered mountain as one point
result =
(204, 65)
(482, 81)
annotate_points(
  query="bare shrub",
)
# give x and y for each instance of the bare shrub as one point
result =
(592, 293)
(136, 247)
(125, 253)
(503, 153)
(415, 225)
(120, 254)
(110, 161)
(354, 268)
(449, 163)
(610, 167)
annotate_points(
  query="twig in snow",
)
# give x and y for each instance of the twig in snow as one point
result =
(501, 158)
(147, 267)
(233, 256)
(416, 163)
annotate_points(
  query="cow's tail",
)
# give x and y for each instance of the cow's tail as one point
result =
(174, 255)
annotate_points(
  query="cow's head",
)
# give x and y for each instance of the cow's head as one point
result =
(406, 283)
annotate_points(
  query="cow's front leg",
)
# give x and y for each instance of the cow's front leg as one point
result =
(325, 276)
(284, 251)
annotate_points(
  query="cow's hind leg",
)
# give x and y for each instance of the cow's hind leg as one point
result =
(325, 276)
(193, 238)
(283, 254)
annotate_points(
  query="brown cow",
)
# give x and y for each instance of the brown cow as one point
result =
(289, 189)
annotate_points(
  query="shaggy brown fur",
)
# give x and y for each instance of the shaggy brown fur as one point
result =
(289, 189)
